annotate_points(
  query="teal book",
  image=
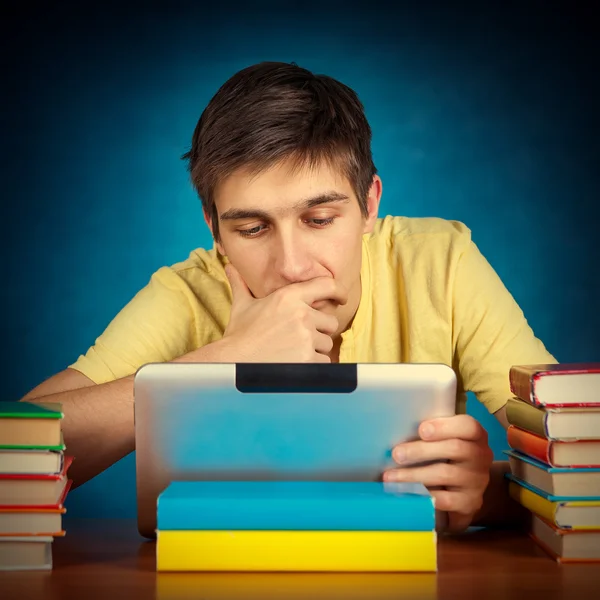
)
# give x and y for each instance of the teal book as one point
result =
(295, 505)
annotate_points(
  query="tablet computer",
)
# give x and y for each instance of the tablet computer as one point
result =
(226, 421)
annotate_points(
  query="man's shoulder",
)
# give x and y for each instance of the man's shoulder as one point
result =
(199, 259)
(433, 233)
(200, 268)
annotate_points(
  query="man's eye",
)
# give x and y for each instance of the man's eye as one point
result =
(254, 231)
(322, 222)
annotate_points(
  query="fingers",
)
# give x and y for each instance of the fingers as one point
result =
(322, 343)
(458, 522)
(455, 450)
(315, 357)
(436, 475)
(320, 288)
(443, 475)
(239, 289)
(453, 501)
(321, 358)
(463, 427)
(323, 322)
(459, 509)
(457, 486)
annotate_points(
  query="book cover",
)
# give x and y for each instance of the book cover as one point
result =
(566, 545)
(58, 505)
(24, 522)
(557, 557)
(60, 447)
(558, 481)
(549, 468)
(25, 553)
(566, 384)
(528, 443)
(35, 490)
(39, 476)
(296, 551)
(295, 505)
(565, 423)
(575, 453)
(563, 511)
(30, 410)
(526, 416)
(31, 434)
(31, 425)
(32, 462)
(591, 501)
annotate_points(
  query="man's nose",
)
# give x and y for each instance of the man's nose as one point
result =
(293, 262)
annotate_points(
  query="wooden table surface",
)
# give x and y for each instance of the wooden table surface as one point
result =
(106, 558)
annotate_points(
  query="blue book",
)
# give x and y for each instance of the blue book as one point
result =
(546, 467)
(295, 505)
(550, 497)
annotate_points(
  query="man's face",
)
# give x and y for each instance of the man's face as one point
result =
(284, 227)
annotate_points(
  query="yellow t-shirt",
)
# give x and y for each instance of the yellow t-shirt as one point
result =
(428, 296)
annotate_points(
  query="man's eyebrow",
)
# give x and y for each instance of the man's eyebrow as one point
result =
(254, 213)
(321, 199)
(234, 214)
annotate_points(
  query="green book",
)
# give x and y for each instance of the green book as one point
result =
(29, 445)
(30, 410)
(562, 423)
(31, 425)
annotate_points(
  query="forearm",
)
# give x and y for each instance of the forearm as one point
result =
(98, 424)
(499, 509)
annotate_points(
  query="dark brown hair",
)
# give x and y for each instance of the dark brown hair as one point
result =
(274, 111)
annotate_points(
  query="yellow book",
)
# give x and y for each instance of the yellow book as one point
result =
(566, 514)
(296, 551)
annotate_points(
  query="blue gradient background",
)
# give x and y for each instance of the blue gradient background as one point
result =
(488, 116)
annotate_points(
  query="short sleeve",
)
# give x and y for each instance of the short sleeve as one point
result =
(490, 331)
(157, 325)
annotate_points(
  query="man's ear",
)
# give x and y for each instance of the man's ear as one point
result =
(373, 199)
(218, 245)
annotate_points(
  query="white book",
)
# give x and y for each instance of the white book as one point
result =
(26, 553)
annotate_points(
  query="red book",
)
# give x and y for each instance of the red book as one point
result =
(577, 454)
(557, 385)
(40, 491)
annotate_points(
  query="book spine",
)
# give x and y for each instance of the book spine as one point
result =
(529, 443)
(526, 416)
(521, 384)
(533, 502)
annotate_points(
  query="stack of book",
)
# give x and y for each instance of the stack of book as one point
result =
(554, 436)
(33, 483)
(295, 526)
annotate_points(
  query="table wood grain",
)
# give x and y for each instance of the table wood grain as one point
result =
(106, 558)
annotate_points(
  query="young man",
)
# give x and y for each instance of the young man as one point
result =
(303, 270)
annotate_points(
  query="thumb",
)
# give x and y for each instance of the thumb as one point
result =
(239, 289)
